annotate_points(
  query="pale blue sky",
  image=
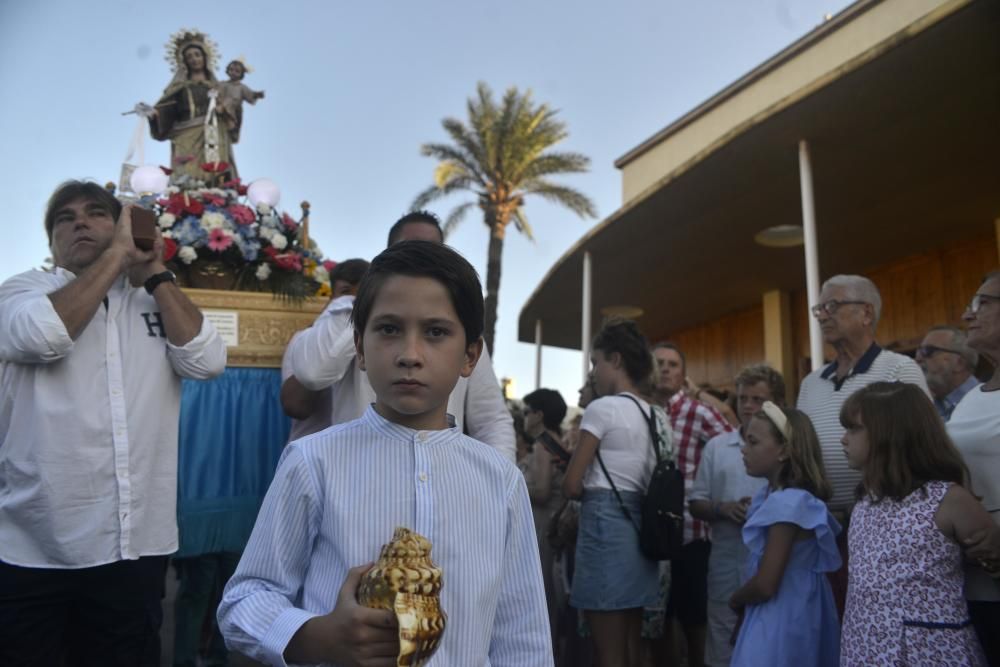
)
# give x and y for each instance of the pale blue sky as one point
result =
(354, 88)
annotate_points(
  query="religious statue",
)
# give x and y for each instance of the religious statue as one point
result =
(197, 113)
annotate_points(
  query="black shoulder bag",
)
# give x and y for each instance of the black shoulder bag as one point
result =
(661, 531)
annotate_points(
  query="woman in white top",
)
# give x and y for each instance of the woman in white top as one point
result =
(975, 428)
(613, 581)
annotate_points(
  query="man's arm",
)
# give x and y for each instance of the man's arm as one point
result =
(487, 418)
(77, 302)
(521, 634)
(320, 355)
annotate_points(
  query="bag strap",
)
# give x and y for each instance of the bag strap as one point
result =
(621, 503)
(654, 434)
(551, 446)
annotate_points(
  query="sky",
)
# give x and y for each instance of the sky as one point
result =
(353, 90)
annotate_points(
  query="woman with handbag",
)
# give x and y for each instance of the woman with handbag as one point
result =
(610, 470)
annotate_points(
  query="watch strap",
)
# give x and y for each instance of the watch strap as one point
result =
(154, 280)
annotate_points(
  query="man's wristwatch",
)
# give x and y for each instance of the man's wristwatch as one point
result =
(154, 280)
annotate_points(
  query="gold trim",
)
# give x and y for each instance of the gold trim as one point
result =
(266, 323)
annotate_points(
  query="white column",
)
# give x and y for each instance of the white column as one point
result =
(585, 323)
(538, 354)
(812, 253)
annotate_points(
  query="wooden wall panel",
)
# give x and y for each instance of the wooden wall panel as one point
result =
(716, 351)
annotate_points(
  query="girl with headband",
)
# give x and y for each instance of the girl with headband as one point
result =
(789, 614)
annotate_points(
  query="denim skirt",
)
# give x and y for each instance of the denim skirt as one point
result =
(611, 572)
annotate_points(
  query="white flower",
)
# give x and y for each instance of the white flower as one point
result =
(167, 220)
(172, 190)
(263, 272)
(187, 254)
(212, 219)
(263, 208)
(279, 241)
(321, 275)
(168, 234)
(266, 233)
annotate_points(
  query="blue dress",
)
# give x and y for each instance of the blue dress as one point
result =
(799, 626)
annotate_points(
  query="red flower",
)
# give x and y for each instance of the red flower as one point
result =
(166, 170)
(179, 204)
(215, 200)
(289, 222)
(237, 185)
(243, 215)
(169, 249)
(329, 264)
(288, 261)
(214, 167)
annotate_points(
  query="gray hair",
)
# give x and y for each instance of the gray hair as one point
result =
(859, 288)
(960, 345)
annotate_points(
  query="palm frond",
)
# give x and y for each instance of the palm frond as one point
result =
(521, 224)
(555, 163)
(569, 197)
(444, 152)
(455, 217)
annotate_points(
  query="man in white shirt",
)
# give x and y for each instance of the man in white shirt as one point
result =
(91, 360)
(323, 356)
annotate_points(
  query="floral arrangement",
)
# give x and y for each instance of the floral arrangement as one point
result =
(216, 233)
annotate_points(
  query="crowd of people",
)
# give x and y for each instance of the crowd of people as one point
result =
(856, 528)
(852, 529)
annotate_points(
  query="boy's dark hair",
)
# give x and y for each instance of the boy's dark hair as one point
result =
(552, 406)
(907, 441)
(243, 68)
(350, 271)
(422, 217)
(72, 190)
(623, 336)
(428, 260)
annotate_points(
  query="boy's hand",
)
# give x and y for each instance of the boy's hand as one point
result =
(350, 634)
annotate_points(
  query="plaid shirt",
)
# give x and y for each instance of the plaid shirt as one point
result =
(694, 425)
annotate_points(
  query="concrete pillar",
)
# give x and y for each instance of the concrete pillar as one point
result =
(778, 349)
(812, 252)
(585, 320)
(538, 354)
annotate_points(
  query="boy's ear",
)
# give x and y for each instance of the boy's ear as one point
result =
(473, 351)
(359, 349)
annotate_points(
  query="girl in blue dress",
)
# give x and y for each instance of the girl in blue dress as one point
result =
(789, 614)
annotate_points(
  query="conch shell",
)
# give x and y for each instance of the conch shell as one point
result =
(406, 582)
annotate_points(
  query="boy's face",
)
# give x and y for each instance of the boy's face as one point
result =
(235, 71)
(414, 351)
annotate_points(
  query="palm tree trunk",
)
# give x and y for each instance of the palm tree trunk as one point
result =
(493, 257)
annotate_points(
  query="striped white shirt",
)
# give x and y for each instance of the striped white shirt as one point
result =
(335, 500)
(821, 397)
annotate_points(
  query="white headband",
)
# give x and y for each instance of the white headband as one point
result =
(778, 418)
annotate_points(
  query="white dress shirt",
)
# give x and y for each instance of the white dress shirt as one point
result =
(337, 497)
(324, 356)
(88, 428)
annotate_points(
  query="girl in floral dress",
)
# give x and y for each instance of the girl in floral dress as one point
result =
(790, 616)
(905, 604)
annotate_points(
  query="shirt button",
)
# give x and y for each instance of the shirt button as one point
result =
(422, 437)
(423, 477)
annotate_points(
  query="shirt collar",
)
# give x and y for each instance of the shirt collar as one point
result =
(961, 390)
(398, 432)
(863, 365)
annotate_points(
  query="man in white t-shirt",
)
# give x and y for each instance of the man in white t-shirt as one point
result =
(323, 356)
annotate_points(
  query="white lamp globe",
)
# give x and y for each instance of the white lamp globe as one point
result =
(264, 191)
(148, 180)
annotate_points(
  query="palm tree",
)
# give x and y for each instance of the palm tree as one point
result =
(502, 156)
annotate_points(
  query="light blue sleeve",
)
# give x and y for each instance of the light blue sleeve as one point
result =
(521, 636)
(801, 508)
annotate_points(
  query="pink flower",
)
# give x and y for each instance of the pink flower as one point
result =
(329, 264)
(289, 223)
(218, 240)
(243, 215)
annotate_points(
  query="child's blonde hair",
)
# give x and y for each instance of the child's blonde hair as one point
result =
(803, 467)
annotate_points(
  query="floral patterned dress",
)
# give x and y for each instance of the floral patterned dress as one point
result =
(905, 604)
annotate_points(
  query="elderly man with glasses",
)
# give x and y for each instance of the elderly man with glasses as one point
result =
(848, 311)
(949, 365)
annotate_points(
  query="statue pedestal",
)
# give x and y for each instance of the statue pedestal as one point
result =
(256, 325)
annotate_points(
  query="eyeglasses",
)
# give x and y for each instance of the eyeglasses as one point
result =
(830, 307)
(977, 302)
(928, 351)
